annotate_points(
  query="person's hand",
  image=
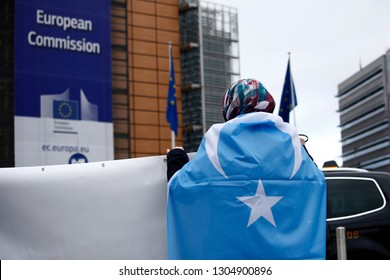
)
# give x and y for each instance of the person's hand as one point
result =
(304, 138)
(177, 147)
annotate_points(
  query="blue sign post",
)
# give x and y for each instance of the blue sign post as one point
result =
(62, 81)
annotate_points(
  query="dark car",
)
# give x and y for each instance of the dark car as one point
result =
(359, 201)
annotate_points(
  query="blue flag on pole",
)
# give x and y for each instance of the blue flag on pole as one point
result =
(171, 112)
(251, 192)
(289, 98)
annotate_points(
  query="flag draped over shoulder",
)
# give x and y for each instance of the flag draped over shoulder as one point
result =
(289, 98)
(171, 112)
(251, 192)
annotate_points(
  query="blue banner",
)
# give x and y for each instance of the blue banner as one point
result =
(63, 46)
(63, 95)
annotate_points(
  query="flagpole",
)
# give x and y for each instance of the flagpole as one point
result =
(173, 139)
(173, 144)
(292, 92)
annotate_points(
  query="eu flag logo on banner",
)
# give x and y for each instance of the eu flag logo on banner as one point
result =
(63, 109)
(289, 98)
(171, 112)
(251, 192)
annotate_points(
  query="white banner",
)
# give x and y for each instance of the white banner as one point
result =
(95, 211)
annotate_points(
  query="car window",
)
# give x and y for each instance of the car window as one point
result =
(350, 197)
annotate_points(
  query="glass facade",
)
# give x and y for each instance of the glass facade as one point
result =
(209, 64)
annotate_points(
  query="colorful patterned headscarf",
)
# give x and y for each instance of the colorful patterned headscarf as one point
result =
(245, 96)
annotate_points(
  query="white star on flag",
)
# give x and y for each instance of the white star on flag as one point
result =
(260, 205)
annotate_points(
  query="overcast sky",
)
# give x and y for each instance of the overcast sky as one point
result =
(328, 39)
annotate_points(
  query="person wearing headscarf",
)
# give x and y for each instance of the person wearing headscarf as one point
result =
(250, 192)
(246, 96)
(242, 97)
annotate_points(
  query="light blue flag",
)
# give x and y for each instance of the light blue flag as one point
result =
(251, 192)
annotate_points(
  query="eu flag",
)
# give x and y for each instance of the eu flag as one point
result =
(289, 98)
(251, 192)
(63, 109)
(171, 112)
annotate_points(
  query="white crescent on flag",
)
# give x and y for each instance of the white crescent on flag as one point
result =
(211, 138)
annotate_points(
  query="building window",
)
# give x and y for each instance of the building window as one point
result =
(365, 133)
(378, 145)
(360, 103)
(365, 82)
(363, 118)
